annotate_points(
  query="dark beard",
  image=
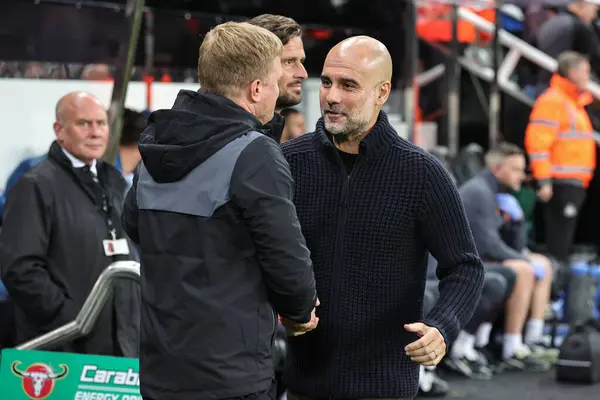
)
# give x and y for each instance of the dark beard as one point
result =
(285, 101)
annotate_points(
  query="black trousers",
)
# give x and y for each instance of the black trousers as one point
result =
(509, 275)
(497, 286)
(560, 219)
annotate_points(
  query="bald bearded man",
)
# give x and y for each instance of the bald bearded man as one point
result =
(372, 206)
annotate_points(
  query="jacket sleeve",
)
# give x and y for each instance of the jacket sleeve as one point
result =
(585, 41)
(543, 127)
(24, 246)
(262, 186)
(482, 219)
(129, 218)
(445, 230)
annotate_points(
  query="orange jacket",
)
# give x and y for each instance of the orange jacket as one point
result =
(559, 139)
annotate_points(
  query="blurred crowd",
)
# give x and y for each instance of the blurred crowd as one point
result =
(91, 72)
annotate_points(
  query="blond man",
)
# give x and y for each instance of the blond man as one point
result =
(222, 250)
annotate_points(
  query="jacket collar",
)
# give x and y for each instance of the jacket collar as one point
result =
(62, 157)
(381, 137)
(570, 90)
(106, 172)
(274, 128)
(493, 183)
(77, 163)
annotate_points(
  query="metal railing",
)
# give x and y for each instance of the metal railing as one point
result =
(517, 48)
(483, 72)
(90, 311)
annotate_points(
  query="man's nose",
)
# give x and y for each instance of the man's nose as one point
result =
(333, 96)
(301, 72)
(97, 129)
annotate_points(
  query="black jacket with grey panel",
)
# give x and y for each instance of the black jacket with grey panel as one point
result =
(221, 250)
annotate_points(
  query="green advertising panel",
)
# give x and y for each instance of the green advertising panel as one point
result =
(36, 375)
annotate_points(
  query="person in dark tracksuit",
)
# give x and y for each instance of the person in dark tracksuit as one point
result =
(221, 247)
(569, 30)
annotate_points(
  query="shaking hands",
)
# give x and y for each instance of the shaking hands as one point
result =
(295, 329)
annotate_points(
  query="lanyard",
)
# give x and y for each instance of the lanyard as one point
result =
(107, 209)
(98, 189)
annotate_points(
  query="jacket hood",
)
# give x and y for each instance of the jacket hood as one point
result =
(196, 127)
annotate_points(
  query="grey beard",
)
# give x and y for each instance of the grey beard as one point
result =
(352, 132)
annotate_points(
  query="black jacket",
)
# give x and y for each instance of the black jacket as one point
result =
(274, 128)
(221, 248)
(566, 32)
(51, 255)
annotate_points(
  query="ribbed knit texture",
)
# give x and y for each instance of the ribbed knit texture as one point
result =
(369, 235)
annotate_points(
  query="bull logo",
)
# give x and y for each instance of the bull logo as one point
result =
(38, 379)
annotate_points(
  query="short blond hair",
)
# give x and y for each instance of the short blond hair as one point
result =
(499, 152)
(234, 54)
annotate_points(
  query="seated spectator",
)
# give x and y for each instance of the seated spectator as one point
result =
(430, 384)
(294, 124)
(505, 171)
(465, 356)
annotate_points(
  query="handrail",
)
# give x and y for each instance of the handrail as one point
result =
(426, 77)
(90, 311)
(483, 72)
(514, 43)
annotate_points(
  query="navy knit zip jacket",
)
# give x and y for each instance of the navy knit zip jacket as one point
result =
(369, 234)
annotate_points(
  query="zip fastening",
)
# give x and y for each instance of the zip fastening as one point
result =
(339, 243)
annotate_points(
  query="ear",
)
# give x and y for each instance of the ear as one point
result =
(383, 93)
(58, 130)
(256, 91)
(496, 167)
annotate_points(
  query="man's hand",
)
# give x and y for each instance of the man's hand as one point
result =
(295, 329)
(544, 193)
(429, 349)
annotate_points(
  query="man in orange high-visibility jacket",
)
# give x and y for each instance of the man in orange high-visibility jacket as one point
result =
(562, 151)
